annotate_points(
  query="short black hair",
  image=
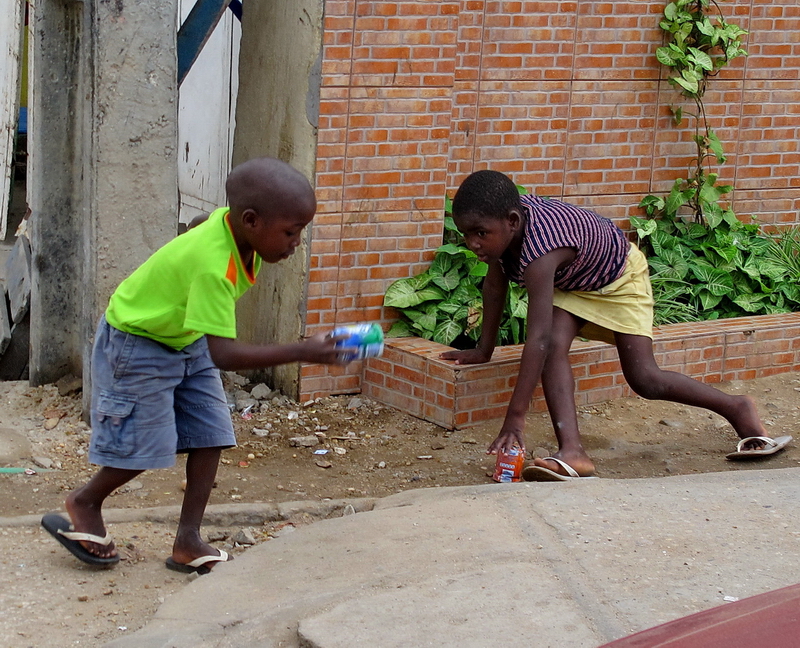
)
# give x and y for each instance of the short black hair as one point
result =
(269, 186)
(489, 194)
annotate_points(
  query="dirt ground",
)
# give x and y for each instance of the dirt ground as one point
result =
(51, 599)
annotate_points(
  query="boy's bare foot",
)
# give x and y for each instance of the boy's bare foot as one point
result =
(580, 463)
(747, 422)
(87, 518)
(189, 546)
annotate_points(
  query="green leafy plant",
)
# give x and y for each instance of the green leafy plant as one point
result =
(729, 270)
(444, 303)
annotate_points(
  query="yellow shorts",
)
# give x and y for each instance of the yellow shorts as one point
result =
(624, 305)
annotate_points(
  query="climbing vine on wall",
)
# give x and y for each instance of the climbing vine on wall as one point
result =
(705, 262)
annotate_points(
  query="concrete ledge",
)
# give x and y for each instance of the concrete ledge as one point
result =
(252, 513)
(410, 376)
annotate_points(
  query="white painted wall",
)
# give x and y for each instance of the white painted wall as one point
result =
(206, 111)
(10, 44)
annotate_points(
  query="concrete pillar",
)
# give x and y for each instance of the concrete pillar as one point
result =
(104, 163)
(58, 88)
(277, 115)
(133, 180)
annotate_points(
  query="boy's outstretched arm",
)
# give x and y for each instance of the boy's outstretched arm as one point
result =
(495, 287)
(539, 278)
(230, 355)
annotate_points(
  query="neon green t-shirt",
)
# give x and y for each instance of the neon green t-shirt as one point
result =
(187, 288)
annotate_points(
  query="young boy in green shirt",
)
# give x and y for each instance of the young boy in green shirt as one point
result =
(168, 329)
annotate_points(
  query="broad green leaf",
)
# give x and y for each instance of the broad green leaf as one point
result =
(690, 75)
(705, 27)
(663, 242)
(676, 199)
(450, 307)
(461, 314)
(730, 217)
(696, 230)
(402, 294)
(665, 56)
(716, 147)
(670, 264)
(734, 31)
(464, 294)
(727, 254)
(449, 281)
(792, 292)
(772, 269)
(709, 300)
(518, 299)
(701, 59)
(400, 329)
(515, 331)
(709, 192)
(452, 248)
(750, 303)
(774, 309)
(427, 322)
(428, 293)
(690, 86)
(480, 269)
(421, 280)
(754, 268)
(446, 332)
(414, 314)
(644, 226)
(678, 52)
(441, 264)
(712, 212)
(715, 281)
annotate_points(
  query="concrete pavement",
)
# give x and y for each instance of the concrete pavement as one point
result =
(570, 564)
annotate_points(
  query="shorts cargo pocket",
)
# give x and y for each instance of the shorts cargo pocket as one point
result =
(113, 424)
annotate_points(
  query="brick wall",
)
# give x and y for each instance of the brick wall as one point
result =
(566, 96)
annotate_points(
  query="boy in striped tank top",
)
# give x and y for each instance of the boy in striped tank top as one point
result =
(583, 278)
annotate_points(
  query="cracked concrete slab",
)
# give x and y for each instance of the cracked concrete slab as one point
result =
(577, 563)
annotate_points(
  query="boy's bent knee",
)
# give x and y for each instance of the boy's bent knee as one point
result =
(648, 386)
(649, 392)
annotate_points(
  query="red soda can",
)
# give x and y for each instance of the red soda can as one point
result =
(509, 465)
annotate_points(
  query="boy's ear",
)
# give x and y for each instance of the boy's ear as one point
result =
(515, 218)
(249, 217)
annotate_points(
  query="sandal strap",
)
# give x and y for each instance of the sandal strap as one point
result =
(570, 470)
(202, 560)
(86, 537)
(767, 440)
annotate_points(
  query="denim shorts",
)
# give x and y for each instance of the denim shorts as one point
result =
(150, 402)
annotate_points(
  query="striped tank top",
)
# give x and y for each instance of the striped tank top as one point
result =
(601, 247)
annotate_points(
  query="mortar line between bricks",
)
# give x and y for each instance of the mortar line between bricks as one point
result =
(724, 364)
(603, 618)
(219, 514)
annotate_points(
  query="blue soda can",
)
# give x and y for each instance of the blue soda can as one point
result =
(362, 341)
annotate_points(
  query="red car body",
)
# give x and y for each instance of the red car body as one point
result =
(769, 620)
